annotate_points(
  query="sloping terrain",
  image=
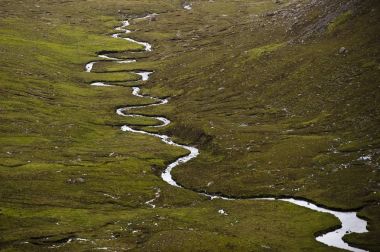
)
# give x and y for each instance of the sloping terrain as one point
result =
(281, 99)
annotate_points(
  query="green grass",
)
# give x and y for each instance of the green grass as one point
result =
(256, 53)
(341, 19)
(270, 116)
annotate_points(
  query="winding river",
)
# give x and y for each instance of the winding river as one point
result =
(350, 223)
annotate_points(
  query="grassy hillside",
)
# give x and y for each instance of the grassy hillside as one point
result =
(265, 90)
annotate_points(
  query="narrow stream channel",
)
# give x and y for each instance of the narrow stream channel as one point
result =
(350, 223)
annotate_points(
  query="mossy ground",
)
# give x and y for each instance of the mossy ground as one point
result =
(271, 116)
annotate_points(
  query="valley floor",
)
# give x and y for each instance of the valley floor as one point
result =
(281, 99)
